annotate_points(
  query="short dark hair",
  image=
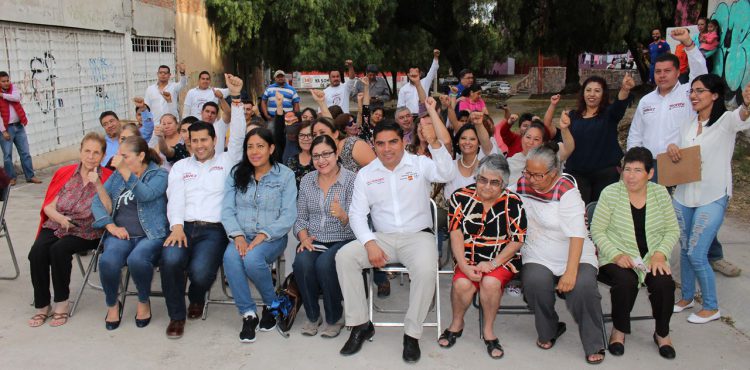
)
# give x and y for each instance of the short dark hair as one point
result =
(204, 73)
(639, 154)
(200, 126)
(463, 113)
(324, 140)
(464, 72)
(335, 111)
(387, 126)
(169, 70)
(188, 120)
(4, 74)
(668, 57)
(655, 29)
(145, 105)
(210, 104)
(248, 101)
(108, 113)
(525, 117)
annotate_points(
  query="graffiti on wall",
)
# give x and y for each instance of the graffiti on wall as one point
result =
(732, 60)
(102, 72)
(40, 81)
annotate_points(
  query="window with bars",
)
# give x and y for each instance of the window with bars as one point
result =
(152, 45)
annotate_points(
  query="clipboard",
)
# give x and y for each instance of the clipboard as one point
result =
(687, 170)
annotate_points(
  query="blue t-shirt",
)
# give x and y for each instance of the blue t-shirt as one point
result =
(289, 93)
(657, 48)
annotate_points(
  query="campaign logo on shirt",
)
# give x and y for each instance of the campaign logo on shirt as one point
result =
(676, 106)
(647, 110)
(187, 176)
(216, 168)
(378, 181)
(409, 176)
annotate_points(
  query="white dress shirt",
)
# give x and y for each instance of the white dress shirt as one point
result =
(196, 189)
(339, 95)
(398, 200)
(717, 146)
(196, 98)
(408, 96)
(14, 96)
(657, 120)
(158, 105)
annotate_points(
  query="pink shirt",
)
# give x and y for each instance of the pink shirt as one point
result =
(709, 41)
(471, 106)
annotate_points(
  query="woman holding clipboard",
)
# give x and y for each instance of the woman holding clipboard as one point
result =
(700, 205)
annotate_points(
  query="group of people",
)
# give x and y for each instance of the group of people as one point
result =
(187, 197)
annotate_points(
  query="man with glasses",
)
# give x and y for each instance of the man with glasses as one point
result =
(161, 97)
(394, 190)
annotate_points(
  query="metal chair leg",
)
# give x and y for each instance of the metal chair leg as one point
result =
(86, 277)
(4, 232)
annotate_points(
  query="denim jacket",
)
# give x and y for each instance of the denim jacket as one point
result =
(267, 207)
(151, 193)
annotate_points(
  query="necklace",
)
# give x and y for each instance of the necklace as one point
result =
(472, 163)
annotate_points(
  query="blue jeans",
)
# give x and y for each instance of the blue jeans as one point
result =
(17, 136)
(316, 271)
(140, 254)
(255, 266)
(201, 260)
(699, 226)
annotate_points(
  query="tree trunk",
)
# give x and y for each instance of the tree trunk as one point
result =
(572, 77)
(638, 58)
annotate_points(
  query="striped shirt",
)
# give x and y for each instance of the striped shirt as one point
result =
(314, 207)
(486, 232)
(289, 93)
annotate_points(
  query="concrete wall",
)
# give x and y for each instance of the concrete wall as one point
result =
(110, 15)
(553, 79)
(154, 18)
(612, 76)
(197, 43)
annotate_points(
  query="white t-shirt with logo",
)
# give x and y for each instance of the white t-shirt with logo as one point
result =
(339, 95)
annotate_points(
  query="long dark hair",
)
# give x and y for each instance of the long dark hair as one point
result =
(244, 172)
(340, 135)
(457, 137)
(715, 85)
(581, 108)
(138, 145)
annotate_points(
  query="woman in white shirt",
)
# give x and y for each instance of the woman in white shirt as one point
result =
(472, 144)
(558, 255)
(700, 205)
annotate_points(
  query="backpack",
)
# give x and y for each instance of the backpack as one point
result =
(286, 305)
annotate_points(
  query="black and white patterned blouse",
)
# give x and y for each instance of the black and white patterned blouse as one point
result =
(314, 207)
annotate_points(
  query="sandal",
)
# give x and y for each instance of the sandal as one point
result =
(492, 345)
(596, 362)
(560, 331)
(62, 317)
(450, 336)
(40, 317)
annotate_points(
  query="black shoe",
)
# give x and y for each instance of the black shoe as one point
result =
(112, 325)
(249, 325)
(359, 335)
(666, 350)
(411, 349)
(142, 323)
(267, 321)
(616, 349)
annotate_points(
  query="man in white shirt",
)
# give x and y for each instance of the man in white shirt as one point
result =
(394, 190)
(662, 112)
(200, 95)
(338, 93)
(408, 95)
(161, 97)
(198, 240)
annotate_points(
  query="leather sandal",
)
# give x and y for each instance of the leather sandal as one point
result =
(449, 336)
(560, 331)
(492, 345)
(41, 318)
(596, 362)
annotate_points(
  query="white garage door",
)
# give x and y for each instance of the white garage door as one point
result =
(148, 54)
(67, 77)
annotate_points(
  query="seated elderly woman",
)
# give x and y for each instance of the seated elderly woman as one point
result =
(65, 229)
(132, 207)
(558, 255)
(635, 228)
(487, 226)
(322, 228)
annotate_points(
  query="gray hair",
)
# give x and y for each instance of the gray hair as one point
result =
(399, 110)
(496, 164)
(546, 153)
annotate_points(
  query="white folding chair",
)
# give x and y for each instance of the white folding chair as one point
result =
(4, 197)
(399, 268)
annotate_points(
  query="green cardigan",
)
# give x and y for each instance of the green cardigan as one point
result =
(613, 231)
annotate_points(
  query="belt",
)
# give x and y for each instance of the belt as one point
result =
(203, 223)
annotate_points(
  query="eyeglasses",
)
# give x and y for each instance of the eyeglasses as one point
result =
(697, 91)
(305, 136)
(350, 123)
(481, 180)
(535, 176)
(324, 155)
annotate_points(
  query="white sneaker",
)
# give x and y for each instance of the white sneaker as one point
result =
(683, 308)
(695, 319)
(513, 290)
